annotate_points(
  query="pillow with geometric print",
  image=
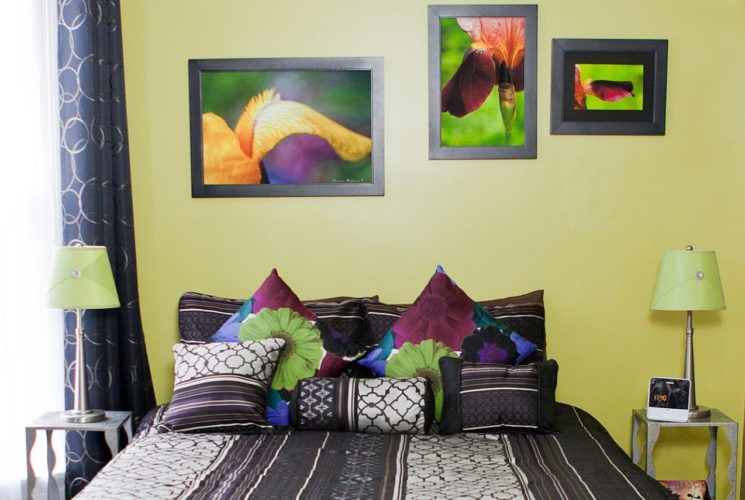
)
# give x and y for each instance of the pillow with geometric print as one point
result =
(371, 405)
(222, 386)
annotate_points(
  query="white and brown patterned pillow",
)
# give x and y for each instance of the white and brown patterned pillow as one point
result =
(372, 405)
(222, 386)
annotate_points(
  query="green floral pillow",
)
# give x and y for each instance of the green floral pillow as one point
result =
(303, 340)
(274, 311)
(421, 360)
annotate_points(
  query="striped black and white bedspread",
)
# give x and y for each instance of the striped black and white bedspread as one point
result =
(581, 461)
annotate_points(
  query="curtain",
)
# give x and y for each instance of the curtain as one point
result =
(97, 210)
(30, 333)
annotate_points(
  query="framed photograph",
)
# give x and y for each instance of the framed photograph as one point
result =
(482, 81)
(286, 127)
(609, 87)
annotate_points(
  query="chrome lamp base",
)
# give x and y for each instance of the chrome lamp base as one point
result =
(82, 417)
(694, 410)
(697, 412)
(81, 412)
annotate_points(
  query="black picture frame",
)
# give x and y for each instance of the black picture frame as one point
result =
(332, 69)
(568, 52)
(528, 149)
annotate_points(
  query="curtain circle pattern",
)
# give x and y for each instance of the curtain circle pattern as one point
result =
(97, 210)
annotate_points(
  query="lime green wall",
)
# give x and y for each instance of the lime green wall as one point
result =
(587, 221)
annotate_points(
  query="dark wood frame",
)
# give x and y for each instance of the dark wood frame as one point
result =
(566, 52)
(372, 64)
(528, 150)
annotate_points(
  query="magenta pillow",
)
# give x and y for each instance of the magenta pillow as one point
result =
(275, 293)
(272, 294)
(432, 328)
(442, 321)
(275, 311)
(442, 312)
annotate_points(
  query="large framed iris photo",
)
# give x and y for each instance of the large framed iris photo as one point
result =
(609, 87)
(286, 127)
(482, 81)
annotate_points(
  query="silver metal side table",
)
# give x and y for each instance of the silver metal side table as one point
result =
(50, 422)
(717, 420)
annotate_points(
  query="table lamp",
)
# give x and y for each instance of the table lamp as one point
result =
(82, 279)
(689, 281)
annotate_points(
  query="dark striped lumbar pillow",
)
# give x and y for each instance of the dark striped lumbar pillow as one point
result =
(483, 396)
(222, 386)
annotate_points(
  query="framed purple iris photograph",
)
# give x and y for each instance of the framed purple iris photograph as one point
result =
(286, 127)
(482, 81)
(610, 87)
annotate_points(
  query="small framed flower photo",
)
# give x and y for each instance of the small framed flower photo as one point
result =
(286, 127)
(608, 87)
(482, 81)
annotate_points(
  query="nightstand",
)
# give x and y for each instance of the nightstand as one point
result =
(51, 421)
(717, 420)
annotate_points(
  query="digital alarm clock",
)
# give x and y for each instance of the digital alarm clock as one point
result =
(668, 399)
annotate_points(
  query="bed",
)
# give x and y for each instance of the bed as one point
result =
(577, 460)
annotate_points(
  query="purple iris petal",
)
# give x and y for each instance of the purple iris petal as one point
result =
(341, 336)
(524, 346)
(299, 158)
(373, 362)
(279, 416)
(489, 345)
(378, 367)
(491, 353)
(471, 84)
(228, 332)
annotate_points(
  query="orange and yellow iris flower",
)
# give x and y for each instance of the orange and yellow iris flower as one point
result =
(234, 156)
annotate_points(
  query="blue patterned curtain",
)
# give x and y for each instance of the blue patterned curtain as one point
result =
(97, 210)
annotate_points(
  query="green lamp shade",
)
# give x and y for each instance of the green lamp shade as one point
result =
(688, 281)
(82, 279)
